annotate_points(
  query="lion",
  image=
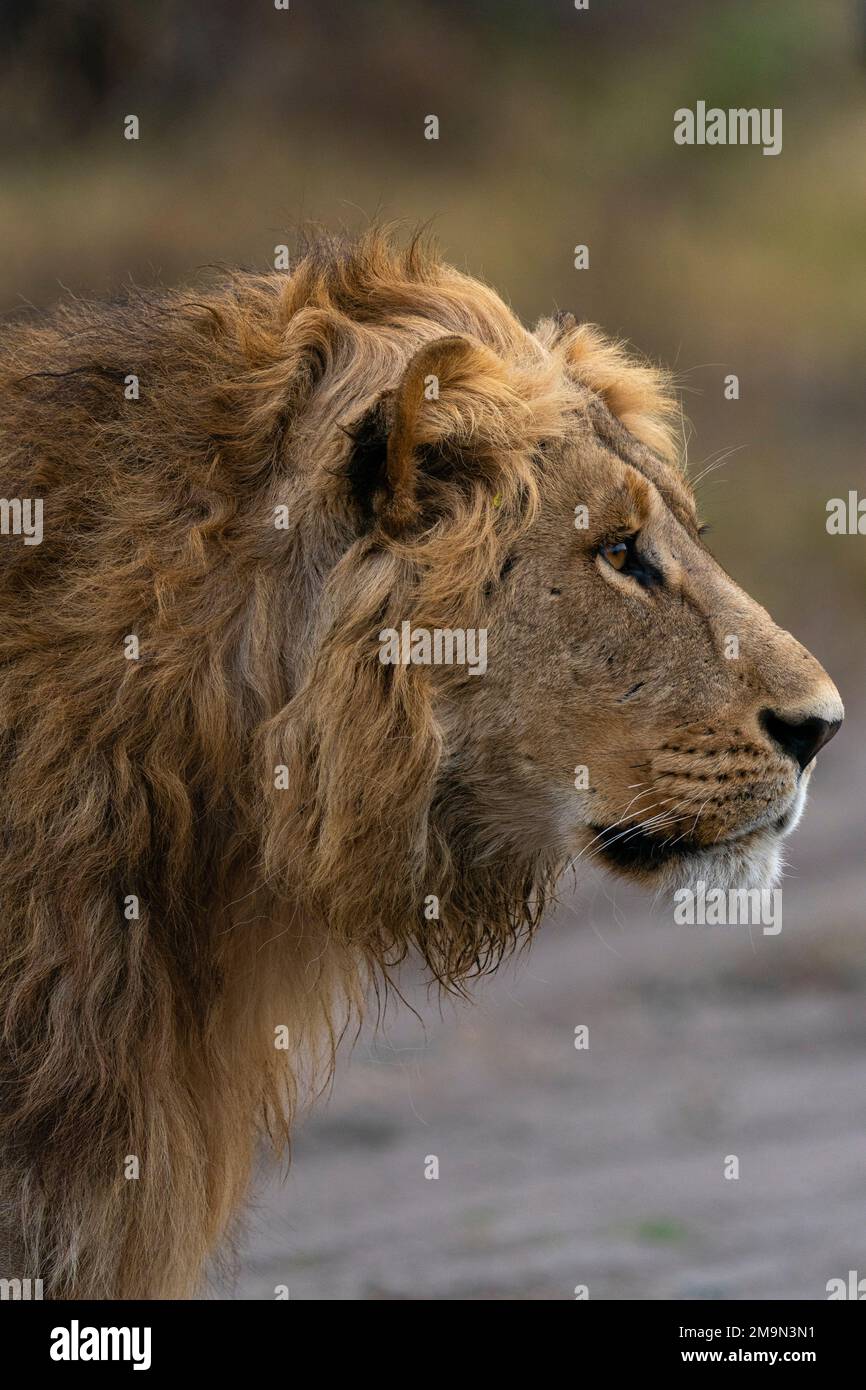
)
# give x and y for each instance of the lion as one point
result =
(227, 817)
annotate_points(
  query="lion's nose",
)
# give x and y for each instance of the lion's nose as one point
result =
(801, 739)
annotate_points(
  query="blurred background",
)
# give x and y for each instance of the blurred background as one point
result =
(557, 1167)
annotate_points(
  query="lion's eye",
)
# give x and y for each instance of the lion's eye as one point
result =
(623, 556)
(616, 554)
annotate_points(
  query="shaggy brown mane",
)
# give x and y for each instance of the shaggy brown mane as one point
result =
(267, 898)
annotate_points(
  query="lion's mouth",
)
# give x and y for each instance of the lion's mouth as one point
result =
(634, 851)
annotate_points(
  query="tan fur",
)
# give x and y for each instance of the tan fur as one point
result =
(264, 907)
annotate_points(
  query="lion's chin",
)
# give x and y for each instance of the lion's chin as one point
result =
(752, 862)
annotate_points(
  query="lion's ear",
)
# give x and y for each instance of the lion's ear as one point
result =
(438, 408)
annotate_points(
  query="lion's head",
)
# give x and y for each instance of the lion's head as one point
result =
(637, 703)
(615, 693)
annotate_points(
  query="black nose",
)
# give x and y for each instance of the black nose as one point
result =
(801, 739)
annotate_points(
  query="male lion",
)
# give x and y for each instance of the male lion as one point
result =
(224, 814)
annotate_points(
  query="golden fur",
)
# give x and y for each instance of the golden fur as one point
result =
(281, 803)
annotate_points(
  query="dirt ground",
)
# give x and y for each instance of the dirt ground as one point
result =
(605, 1167)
